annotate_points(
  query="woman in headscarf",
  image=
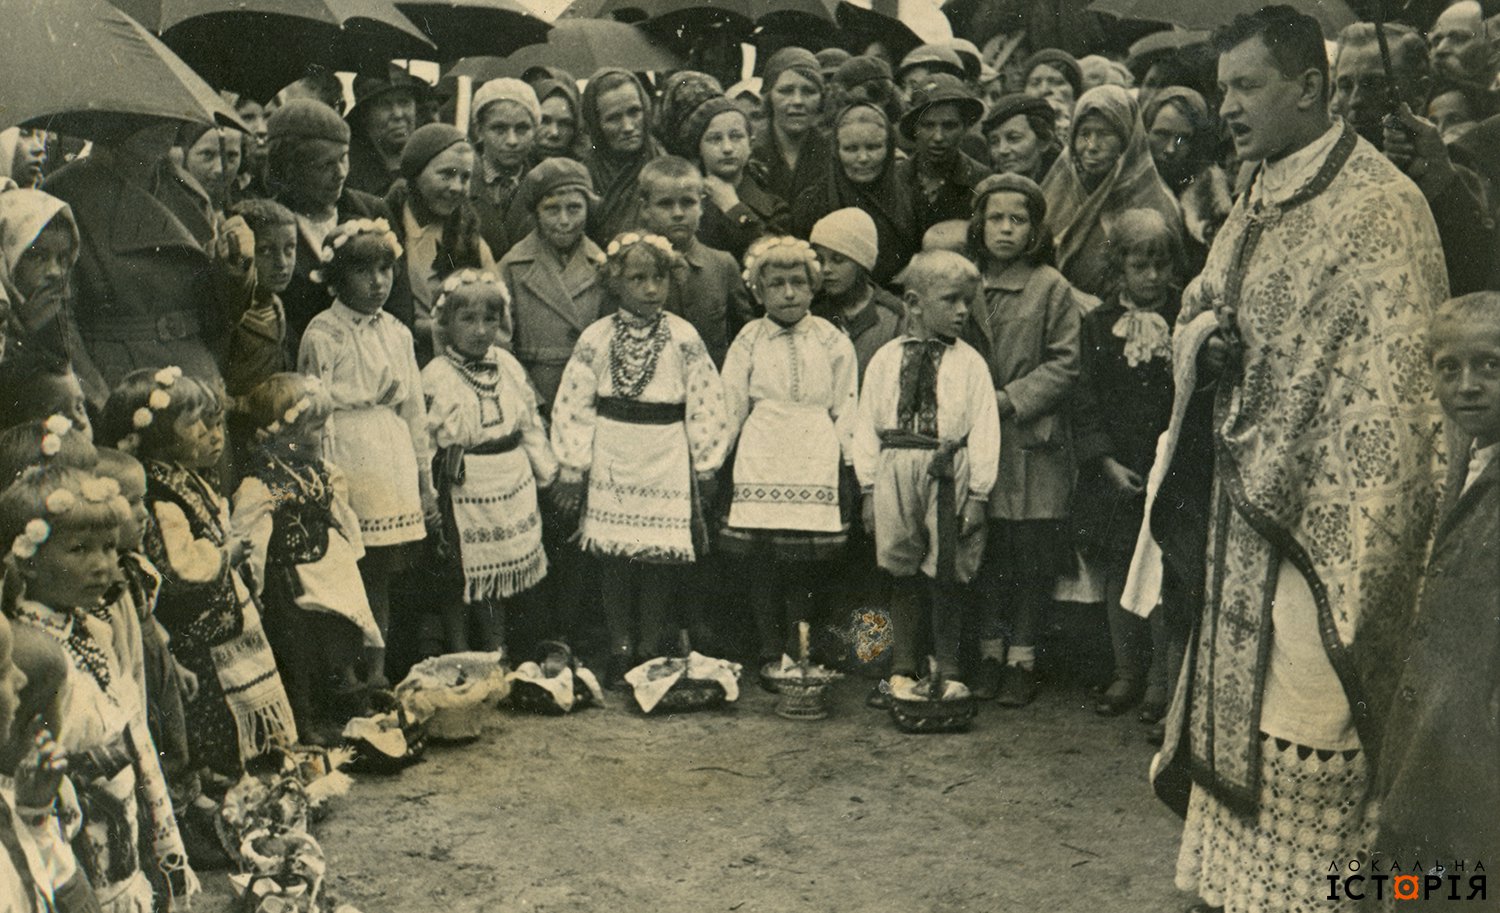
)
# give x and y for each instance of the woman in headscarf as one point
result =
(791, 153)
(617, 112)
(561, 133)
(1022, 133)
(1105, 170)
(1179, 129)
(38, 247)
(1055, 75)
(865, 176)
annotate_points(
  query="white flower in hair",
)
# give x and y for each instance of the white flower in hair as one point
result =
(51, 444)
(23, 548)
(339, 241)
(326, 255)
(60, 501)
(167, 376)
(141, 418)
(37, 531)
(99, 489)
(158, 400)
(130, 443)
(58, 424)
(316, 276)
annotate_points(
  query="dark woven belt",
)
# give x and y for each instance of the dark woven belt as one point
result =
(499, 445)
(947, 494)
(635, 412)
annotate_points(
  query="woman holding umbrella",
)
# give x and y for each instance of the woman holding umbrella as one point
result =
(791, 154)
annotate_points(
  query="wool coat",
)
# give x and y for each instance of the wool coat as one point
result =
(551, 305)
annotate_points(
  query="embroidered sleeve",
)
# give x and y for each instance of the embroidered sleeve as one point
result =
(450, 418)
(984, 428)
(188, 559)
(844, 366)
(573, 413)
(252, 521)
(519, 395)
(707, 421)
(736, 380)
(413, 410)
(864, 438)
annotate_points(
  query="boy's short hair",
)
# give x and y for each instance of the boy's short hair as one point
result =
(931, 266)
(666, 168)
(262, 214)
(1473, 309)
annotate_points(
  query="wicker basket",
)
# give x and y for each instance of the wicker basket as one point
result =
(533, 698)
(453, 694)
(934, 716)
(689, 694)
(803, 698)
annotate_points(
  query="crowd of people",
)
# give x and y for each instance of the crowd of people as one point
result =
(939, 340)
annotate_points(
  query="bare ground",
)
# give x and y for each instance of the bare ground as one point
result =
(1041, 809)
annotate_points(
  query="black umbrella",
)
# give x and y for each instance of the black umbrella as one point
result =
(1333, 15)
(257, 47)
(464, 28)
(84, 68)
(579, 46)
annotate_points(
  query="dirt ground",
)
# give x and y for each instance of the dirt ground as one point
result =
(1041, 809)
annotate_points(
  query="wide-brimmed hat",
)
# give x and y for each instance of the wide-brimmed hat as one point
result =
(941, 89)
(370, 87)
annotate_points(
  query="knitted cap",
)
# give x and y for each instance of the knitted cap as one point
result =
(850, 232)
(684, 92)
(935, 58)
(304, 118)
(427, 144)
(799, 60)
(830, 59)
(553, 175)
(856, 71)
(938, 89)
(1061, 61)
(507, 89)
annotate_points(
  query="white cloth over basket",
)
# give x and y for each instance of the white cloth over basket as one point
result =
(559, 686)
(652, 679)
(456, 683)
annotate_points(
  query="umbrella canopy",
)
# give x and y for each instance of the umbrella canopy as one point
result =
(1333, 15)
(462, 28)
(903, 24)
(257, 47)
(84, 68)
(579, 46)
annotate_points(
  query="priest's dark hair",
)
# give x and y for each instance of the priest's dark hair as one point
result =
(1294, 39)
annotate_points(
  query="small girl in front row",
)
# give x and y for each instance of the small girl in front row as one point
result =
(292, 510)
(790, 381)
(640, 421)
(175, 426)
(493, 454)
(63, 526)
(377, 431)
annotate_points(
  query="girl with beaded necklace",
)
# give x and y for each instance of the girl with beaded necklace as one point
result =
(63, 525)
(377, 430)
(292, 509)
(493, 454)
(788, 377)
(640, 430)
(175, 426)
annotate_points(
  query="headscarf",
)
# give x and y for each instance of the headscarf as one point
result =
(887, 199)
(23, 216)
(568, 89)
(616, 177)
(1077, 215)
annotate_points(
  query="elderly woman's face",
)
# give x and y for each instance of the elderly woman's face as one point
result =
(1171, 138)
(318, 179)
(391, 119)
(1048, 82)
(506, 134)
(1096, 147)
(622, 120)
(1015, 148)
(795, 102)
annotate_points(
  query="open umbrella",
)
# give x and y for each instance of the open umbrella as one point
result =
(84, 68)
(900, 24)
(579, 46)
(462, 28)
(1333, 15)
(257, 47)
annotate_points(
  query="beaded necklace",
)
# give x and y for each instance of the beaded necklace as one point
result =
(483, 377)
(634, 352)
(80, 644)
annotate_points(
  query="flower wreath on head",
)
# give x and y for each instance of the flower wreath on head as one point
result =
(464, 277)
(53, 430)
(615, 252)
(58, 502)
(294, 412)
(761, 249)
(158, 399)
(345, 231)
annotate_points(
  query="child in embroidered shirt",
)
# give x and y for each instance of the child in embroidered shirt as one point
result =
(788, 377)
(377, 431)
(292, 509)
(1122, 405)
(64, 526)
(639, 420)
(167, 684)
(926, 447)
(493, 453)
(175, 425)
(709, 292)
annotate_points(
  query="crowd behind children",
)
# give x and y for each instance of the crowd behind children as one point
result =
(861, 334)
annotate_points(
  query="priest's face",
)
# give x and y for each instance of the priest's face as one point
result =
(1257, 101)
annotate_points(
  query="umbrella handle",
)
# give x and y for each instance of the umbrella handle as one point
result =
(465, 97)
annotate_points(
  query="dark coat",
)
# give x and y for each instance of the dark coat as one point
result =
(458, 249)
(758, 214)
(147, 292)
(883, 320)
(1119, 412)
(710, 294)
(1440, 758)
(304, 299)
(954, 198)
